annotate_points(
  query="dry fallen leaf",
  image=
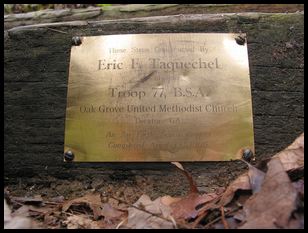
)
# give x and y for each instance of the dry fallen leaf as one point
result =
(110, 212)
(80, 222)
(22, 211)
(52, 221)
(250, 180)
(241, 183)
(273, 205)
(274, 197)
(192, 183)
(256, 178)
(298, 143)
(7, 213)
(93, 200)
(146, 216)
(187, 207)
(168, 200)
(299, 186)
(232, 224)
(293, 156)
(15, 222)
(178, 165)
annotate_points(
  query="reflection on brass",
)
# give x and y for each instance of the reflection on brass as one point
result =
(159, 97)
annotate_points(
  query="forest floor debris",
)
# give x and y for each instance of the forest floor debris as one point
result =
(269, 196)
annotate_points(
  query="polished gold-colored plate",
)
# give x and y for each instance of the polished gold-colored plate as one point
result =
(159, 97)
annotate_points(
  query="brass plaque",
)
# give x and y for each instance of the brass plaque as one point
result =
(159, 97)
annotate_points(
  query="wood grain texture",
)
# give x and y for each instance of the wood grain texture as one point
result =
(36, 61)
(126, 11)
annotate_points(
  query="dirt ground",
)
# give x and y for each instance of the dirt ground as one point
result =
(128, 185)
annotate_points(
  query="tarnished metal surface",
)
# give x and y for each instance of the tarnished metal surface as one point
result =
(159, 97)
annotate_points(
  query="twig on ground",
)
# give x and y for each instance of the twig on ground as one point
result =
(52, 203)
(56, 30)
(202, 215)
(121, 223)
(223, 219)
(218, 218)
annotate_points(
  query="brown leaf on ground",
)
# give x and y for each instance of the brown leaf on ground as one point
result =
(298, 143)
(293, 156)
(149, 215)
(168, 200)
(273, 205)
(251, 180)
(52, 221)
(296, 223)
(256, 178)
(110, 212)
(93, 200)
(232, 224)
(7, 212)
(187, 207)
(241, 183)
(178, 165)
(80, 222)
(22, 211)
(16, 222)
(117, 204)
(192, 183)
(299, 186)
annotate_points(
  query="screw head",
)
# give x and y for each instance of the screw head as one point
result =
(76, 40)
(69, 156)
(240, 40)
(247, 155)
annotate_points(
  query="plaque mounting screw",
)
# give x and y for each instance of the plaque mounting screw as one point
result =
(247, 155)
(76, 40)
(240, 40)
(68, 156)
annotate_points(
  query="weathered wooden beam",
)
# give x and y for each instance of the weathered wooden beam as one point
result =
(36, 61)
(139, 10)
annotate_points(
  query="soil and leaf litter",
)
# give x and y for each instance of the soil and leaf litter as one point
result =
(268, 195)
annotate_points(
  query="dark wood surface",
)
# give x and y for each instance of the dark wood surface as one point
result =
(125, 11)
(36, 61)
